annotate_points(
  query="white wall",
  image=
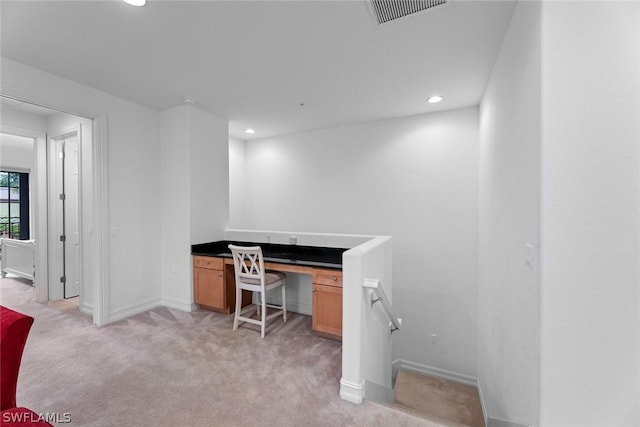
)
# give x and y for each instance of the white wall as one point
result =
(209, 170)
(509, 218)
(281, 237)
(414, 179)
(176, 219)
(236, 181)
(133, 179)
(20, 119)
(590, 333)
(16, 152)
(366, 336)
(195, 194)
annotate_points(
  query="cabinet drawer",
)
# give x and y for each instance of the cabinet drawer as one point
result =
(208, 262)
(328, 277)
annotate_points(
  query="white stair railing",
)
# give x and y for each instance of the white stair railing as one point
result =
(376, 293)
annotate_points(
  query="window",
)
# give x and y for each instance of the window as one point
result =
(14, 205)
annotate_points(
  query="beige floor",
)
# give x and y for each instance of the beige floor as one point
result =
(166, 367)
(165, 360)
(438, 400)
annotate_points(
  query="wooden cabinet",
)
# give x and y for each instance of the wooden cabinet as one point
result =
(208, 283)
(327, 303)
(214, 284)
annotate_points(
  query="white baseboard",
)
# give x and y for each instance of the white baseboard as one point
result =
(133, 310)
(351, 392)
(495, 422)
(86, 309)
(482, 405)
(178, 304)
(294, 306)
(436, 372)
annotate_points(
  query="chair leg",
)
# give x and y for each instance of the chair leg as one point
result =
(259, 305)
(238, 307)
(284, 301)
(264, 314)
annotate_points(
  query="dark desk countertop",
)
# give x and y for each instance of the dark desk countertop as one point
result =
(314, 256)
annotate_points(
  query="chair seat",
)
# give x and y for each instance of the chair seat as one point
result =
(270, 277)
(273, 276)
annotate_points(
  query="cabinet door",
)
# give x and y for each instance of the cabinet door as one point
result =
(209, 288)
(327, 309)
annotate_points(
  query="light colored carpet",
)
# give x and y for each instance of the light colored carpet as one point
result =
(170, 368)
(442, 401)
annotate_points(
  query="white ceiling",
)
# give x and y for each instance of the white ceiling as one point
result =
(254, 63)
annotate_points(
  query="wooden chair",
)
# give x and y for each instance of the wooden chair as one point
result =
(251, 276)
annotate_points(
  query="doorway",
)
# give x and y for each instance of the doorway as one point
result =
(86, 241)
(60, 176)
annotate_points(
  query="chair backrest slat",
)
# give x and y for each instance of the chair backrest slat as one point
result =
(248, 262)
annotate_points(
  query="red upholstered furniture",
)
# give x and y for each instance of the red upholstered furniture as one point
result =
(14, 328)
(13, 337)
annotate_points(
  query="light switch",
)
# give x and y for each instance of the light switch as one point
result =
(528, 255)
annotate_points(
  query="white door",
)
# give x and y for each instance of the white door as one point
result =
(64, 215)
(72, 218)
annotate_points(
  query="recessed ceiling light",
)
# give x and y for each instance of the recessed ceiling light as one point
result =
(136, 2)
(250, 131)
(434, 99)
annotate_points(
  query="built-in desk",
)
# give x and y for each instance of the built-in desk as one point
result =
(214, 278)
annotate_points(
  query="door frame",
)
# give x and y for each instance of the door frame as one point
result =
(98, 252)
(60, 135)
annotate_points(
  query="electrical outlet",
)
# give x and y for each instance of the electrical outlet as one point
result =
(293, 240)
(268, 238)
(434, 339)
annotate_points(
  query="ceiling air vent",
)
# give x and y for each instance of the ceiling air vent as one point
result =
(388, 10)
